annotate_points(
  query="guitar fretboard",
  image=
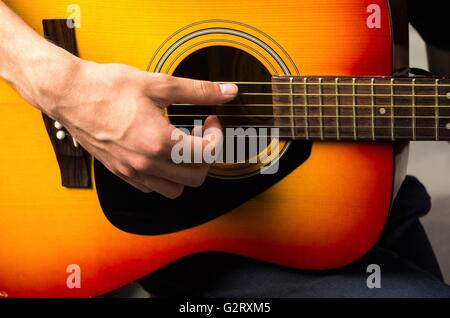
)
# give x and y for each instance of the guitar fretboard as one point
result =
(362, 108)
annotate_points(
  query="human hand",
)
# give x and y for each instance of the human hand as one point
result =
(116, 112)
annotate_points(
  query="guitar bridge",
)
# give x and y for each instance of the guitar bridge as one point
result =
(74, 162)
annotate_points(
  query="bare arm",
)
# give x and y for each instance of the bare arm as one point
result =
(115, 111)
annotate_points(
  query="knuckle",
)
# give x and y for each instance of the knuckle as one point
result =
(165, 83)
(142, 164)
(126, 171)
(156, 148)
(175, 192)
(161, 87)
(204, 88)
(197, 180)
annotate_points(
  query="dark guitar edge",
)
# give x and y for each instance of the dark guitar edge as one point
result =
(400, 67)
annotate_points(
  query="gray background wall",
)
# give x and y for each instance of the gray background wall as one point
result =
(430, 162)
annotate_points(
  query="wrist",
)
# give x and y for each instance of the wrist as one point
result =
(54, 80)
(43, 76)
(40, 71)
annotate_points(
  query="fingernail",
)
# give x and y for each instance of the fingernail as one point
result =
(228, 89)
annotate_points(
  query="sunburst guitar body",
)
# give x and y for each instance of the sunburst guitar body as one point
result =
(324, 208)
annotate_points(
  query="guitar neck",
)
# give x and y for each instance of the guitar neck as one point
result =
(362, 108)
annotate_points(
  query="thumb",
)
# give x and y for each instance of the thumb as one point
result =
(187, 91)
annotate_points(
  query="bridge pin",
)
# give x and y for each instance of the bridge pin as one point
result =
(60, 135)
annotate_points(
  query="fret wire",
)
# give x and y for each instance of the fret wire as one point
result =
(414, 108)
(320, 108)
(305, 81)
(372, 89)
(392, 110)
(354, 109)
(436, 109)
(292, 106)
(337, 109)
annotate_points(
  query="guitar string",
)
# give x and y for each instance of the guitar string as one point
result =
(334, 83)
(339, 95)
(303, 116)
(304, 127)
(334, 137)
(309, 105)
(352, 138)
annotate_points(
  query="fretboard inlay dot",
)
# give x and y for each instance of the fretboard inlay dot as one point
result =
(448, 95)
(447, 126)
(383, 111)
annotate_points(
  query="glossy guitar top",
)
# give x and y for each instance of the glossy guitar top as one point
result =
(325, 208)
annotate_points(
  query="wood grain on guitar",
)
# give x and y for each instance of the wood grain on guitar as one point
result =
(73, 160)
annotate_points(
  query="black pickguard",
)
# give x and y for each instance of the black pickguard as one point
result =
(151, 214)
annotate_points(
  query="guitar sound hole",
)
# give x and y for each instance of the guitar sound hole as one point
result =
(227, 64)
(151, 214)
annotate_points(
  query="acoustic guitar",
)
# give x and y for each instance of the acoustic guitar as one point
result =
(331, 76)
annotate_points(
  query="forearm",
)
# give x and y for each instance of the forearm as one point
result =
(37, 69)
(116, 112)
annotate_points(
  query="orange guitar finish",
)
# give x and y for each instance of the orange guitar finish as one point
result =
(327, 213)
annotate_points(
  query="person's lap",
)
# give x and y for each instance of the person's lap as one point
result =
(407, 263)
